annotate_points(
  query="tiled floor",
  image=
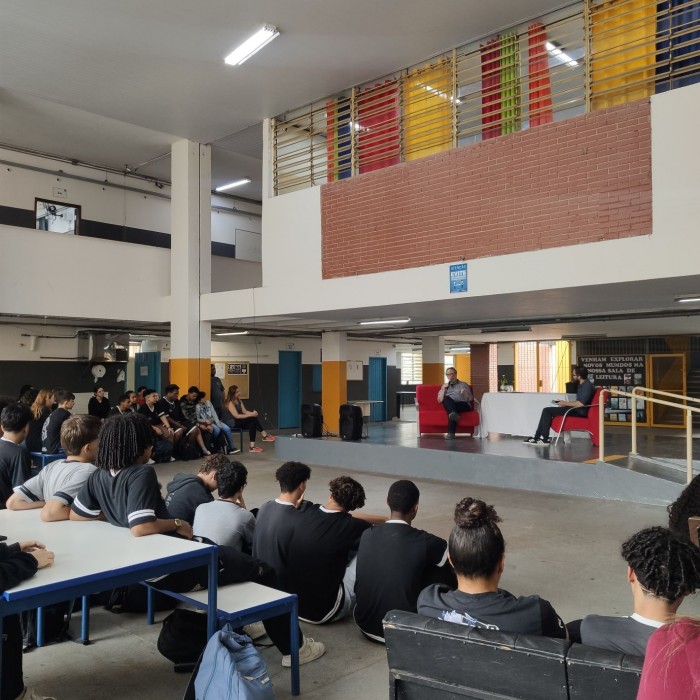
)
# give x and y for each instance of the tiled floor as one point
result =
(564, 548)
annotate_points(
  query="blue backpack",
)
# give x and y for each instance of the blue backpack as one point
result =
(231, 668)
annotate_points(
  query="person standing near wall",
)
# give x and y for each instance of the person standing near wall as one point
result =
(216, 394)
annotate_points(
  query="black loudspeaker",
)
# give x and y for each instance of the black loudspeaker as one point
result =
(350, 422)
(311, 420)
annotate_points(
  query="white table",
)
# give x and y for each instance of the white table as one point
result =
(514, 413)
(95, 556)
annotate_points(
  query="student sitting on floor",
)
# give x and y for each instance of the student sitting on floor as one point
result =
(18, 562)
(188, 491)
(15, 460)
(226, 520)
(685, 506)
(55, 487)
(662, 569)
(51, 431)
(396, 562)
(477, 553)
(122, 406)
(274, 530)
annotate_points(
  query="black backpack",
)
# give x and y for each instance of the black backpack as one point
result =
(56, 621)
(183, 636)
(187, 450)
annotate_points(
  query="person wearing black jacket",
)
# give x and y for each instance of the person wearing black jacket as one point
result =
(476, 551)
(99, 405)
(18, 562)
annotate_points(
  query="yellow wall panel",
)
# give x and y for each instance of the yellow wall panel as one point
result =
(334, 392)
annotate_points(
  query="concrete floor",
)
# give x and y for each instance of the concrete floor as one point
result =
(564, 548)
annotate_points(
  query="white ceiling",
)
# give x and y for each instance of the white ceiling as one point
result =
(116, 83)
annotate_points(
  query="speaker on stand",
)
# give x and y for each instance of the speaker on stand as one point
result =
(311, 420)
(350, 422)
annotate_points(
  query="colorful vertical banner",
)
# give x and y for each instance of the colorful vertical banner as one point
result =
(623, 51)
(539, 79)
(379, 135)
(338, 136)
(491, 88)
(427, 96)
(510, 83)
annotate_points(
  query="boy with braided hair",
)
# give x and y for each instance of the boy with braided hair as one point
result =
(662, 569)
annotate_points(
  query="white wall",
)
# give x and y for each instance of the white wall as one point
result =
(292, 243)
(144, 209)
(52, 274)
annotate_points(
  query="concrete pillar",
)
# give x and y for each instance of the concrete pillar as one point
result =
(334, 352)
(433, 359)
(190, 264)
(479, 369)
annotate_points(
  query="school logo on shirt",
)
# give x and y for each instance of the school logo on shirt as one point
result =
(465, 619)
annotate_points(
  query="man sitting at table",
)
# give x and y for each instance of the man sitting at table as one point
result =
(18, 562)
(15, 460)
(57, 484)
(456, 397)
(584, 396)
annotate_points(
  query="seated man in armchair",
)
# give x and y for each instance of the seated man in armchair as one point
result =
(456, 397)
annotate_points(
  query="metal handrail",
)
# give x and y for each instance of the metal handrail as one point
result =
(660, 393)
(626, 394)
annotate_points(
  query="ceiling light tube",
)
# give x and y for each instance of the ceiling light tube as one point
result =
(384, 322)
(232, 333)
(252, 45)
(235, 183)
(688, 299)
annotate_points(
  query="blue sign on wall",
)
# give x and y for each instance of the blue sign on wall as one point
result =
(458, 278)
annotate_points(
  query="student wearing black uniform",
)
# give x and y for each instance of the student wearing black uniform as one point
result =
(18, 562)
(396, 561)
(15, 460)
(51, 431)
(662, 569)
(274, 530)
(476, 551)
(99, 405)
(122, 406)
(170, 406)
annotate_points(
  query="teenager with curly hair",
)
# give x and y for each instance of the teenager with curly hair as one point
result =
(685, 506)
(662, 569)
(477, 554)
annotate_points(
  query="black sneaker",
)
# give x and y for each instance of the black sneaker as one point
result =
(545, 442)
(531, 441)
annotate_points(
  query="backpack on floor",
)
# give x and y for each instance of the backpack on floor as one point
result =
(231, 667)
(187, 450)
(183, 636)
(134, 599)
(56, 620)
(162, 450)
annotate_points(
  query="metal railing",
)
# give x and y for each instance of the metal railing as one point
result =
(589, 55)
(648, 399)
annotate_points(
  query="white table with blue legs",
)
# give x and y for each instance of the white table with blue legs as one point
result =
(95, 556)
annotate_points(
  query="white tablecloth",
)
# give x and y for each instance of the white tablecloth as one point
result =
(515, 413)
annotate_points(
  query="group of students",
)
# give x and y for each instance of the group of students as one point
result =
(340, 562)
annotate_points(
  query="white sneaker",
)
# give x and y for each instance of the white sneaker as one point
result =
(255, 630)
(309, 651)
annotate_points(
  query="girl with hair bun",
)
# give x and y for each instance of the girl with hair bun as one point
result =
(477, 553)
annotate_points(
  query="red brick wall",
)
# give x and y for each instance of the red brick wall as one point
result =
(583, 180)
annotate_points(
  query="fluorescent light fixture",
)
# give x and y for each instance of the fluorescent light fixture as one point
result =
(252, 45)
(585, 336)
(460, 349)
(235, 183)
(688, 298)
(233, 333)
(560, 55)
(384, 322)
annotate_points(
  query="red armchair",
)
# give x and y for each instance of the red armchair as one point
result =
(590, 423)
(432, 417)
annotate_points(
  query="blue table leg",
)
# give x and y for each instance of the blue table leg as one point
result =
(150, 610)
(212, 591)
(85, 621)
(40, 627)
(294, 641)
